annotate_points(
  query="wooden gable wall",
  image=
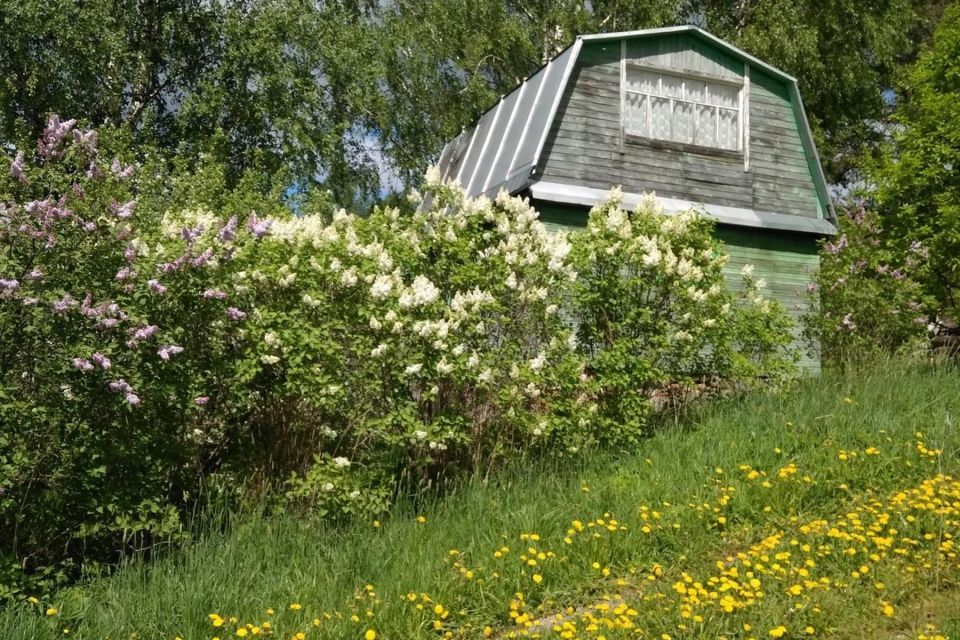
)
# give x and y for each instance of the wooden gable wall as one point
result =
(583, 147)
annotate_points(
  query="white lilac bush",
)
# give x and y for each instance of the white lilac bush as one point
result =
(655, 314)
(150, 355)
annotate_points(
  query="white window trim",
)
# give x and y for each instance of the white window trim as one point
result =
(742, 85)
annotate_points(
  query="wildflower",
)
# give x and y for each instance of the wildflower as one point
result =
(370, 635)
(52, 611)
(421, 520)
(778, 632)
(538, 578)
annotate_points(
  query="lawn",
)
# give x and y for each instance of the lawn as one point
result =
(827, 510)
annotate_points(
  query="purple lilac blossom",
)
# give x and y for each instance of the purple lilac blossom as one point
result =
(125, 273)
(87, 140)
(201, 400)
(35, 274)
(215, 293)
(93, 171)
(132, 398)
(229, 230)
(83, 364)
(62, 305)
(29, 302)
(143, 333)
(190, 235)
(16, 167)
(203, 258)
(101, 361)
(258, 227)
(119, 386)
(123, 211)
(235, 314)
(156, 287)
(53, 135)
(168, 350)
(120, 171)
(848, 322)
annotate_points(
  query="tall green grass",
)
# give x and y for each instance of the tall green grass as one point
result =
(261, 562)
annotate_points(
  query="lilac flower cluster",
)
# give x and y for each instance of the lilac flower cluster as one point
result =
(258, 227)
(107, 314)
(121, 386)
(50, 145)
(168, 350)
(121, 171)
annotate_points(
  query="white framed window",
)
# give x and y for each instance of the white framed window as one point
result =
(684, 109)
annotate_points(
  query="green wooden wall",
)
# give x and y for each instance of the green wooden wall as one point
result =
(784, 259)
(583, 145)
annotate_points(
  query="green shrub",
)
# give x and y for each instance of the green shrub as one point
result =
(865, 300)
(655, 313)
(153, 355)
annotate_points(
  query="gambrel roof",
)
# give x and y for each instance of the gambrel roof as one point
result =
(503, 149)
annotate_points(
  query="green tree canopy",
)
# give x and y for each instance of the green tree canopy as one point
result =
(917, 177)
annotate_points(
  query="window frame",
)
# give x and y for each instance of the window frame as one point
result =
(742, 85)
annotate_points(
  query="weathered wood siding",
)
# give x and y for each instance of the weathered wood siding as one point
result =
(785, 260)
(583, 146)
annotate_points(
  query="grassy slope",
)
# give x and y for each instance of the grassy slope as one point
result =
(683, 474)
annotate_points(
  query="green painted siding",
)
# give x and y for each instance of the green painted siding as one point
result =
(583, 146)
(785, 260)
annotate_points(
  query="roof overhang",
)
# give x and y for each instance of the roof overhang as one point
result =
(588, 197)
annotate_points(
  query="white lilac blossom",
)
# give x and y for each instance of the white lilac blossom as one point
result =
(381, 287)
(341, 463)
(270, 359)
(413, 369)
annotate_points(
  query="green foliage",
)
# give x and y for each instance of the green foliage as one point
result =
(864, 301)
(359, 96)
(654, 310)
(917, 179)
(845, 55)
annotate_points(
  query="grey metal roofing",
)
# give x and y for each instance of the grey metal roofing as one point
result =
(502, 149)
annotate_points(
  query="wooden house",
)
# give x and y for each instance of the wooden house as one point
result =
(675, 111)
